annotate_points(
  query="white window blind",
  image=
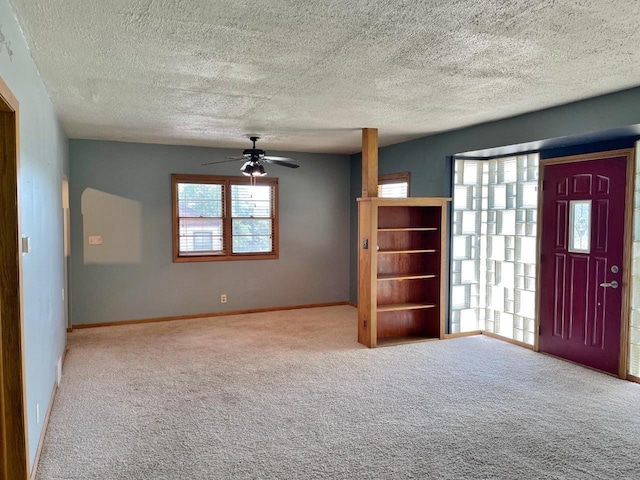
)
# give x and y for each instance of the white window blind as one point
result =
(394, 185)
(200, 218)
(252, 218)
(393, 190)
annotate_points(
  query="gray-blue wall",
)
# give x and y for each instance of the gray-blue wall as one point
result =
(429, 158)
(43, 162)
(122, 192)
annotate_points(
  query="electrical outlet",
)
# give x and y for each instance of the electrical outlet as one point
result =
(223, 298)
(37, 414)
(26, 245)
(95, 240)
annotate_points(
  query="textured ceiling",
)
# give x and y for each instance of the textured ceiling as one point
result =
(308, 74)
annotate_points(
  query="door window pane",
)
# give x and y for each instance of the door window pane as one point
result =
(580, 226)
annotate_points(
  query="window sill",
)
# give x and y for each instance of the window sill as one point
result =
(224, 258)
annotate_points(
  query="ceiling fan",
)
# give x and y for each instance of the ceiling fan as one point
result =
(254, 158)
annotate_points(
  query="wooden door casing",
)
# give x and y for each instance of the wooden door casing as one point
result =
(13, 433)
(582, 326)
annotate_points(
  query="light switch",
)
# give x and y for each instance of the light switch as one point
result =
(95, 240)
(26, 245)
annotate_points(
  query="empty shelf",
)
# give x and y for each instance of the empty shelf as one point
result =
(409, 229)
(405, 276)
(394, 307)
(430, 250)
(388, 341)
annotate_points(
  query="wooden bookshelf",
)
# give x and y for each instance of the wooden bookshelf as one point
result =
(401, 261)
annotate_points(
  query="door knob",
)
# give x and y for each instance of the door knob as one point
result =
(613, 284)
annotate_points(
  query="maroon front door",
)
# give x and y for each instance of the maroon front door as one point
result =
(581, 261)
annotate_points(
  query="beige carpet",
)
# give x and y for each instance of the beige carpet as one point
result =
(291, 395)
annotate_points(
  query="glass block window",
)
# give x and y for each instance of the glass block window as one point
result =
(634, 329)
(469, 223)
(494, 246)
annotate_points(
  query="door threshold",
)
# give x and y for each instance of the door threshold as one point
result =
(583, 365)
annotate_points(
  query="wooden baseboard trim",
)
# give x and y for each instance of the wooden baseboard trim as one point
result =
(508, 340)
(45, 425)
(353, 304)
(69, 329)
(207, 315)
(633, 378)
(449, 336)
(64, 356)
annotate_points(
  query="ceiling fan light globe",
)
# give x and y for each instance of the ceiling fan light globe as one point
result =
(248, 168)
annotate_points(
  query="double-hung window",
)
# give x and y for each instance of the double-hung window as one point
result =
(394, 185)
(224, 218)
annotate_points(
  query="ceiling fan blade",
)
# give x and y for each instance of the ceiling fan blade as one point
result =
(229, 159)
(282, 161)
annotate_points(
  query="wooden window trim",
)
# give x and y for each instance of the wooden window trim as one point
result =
(398, 177)
(226, 181)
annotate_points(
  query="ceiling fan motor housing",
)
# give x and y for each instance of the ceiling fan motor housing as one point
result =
(253, 152)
